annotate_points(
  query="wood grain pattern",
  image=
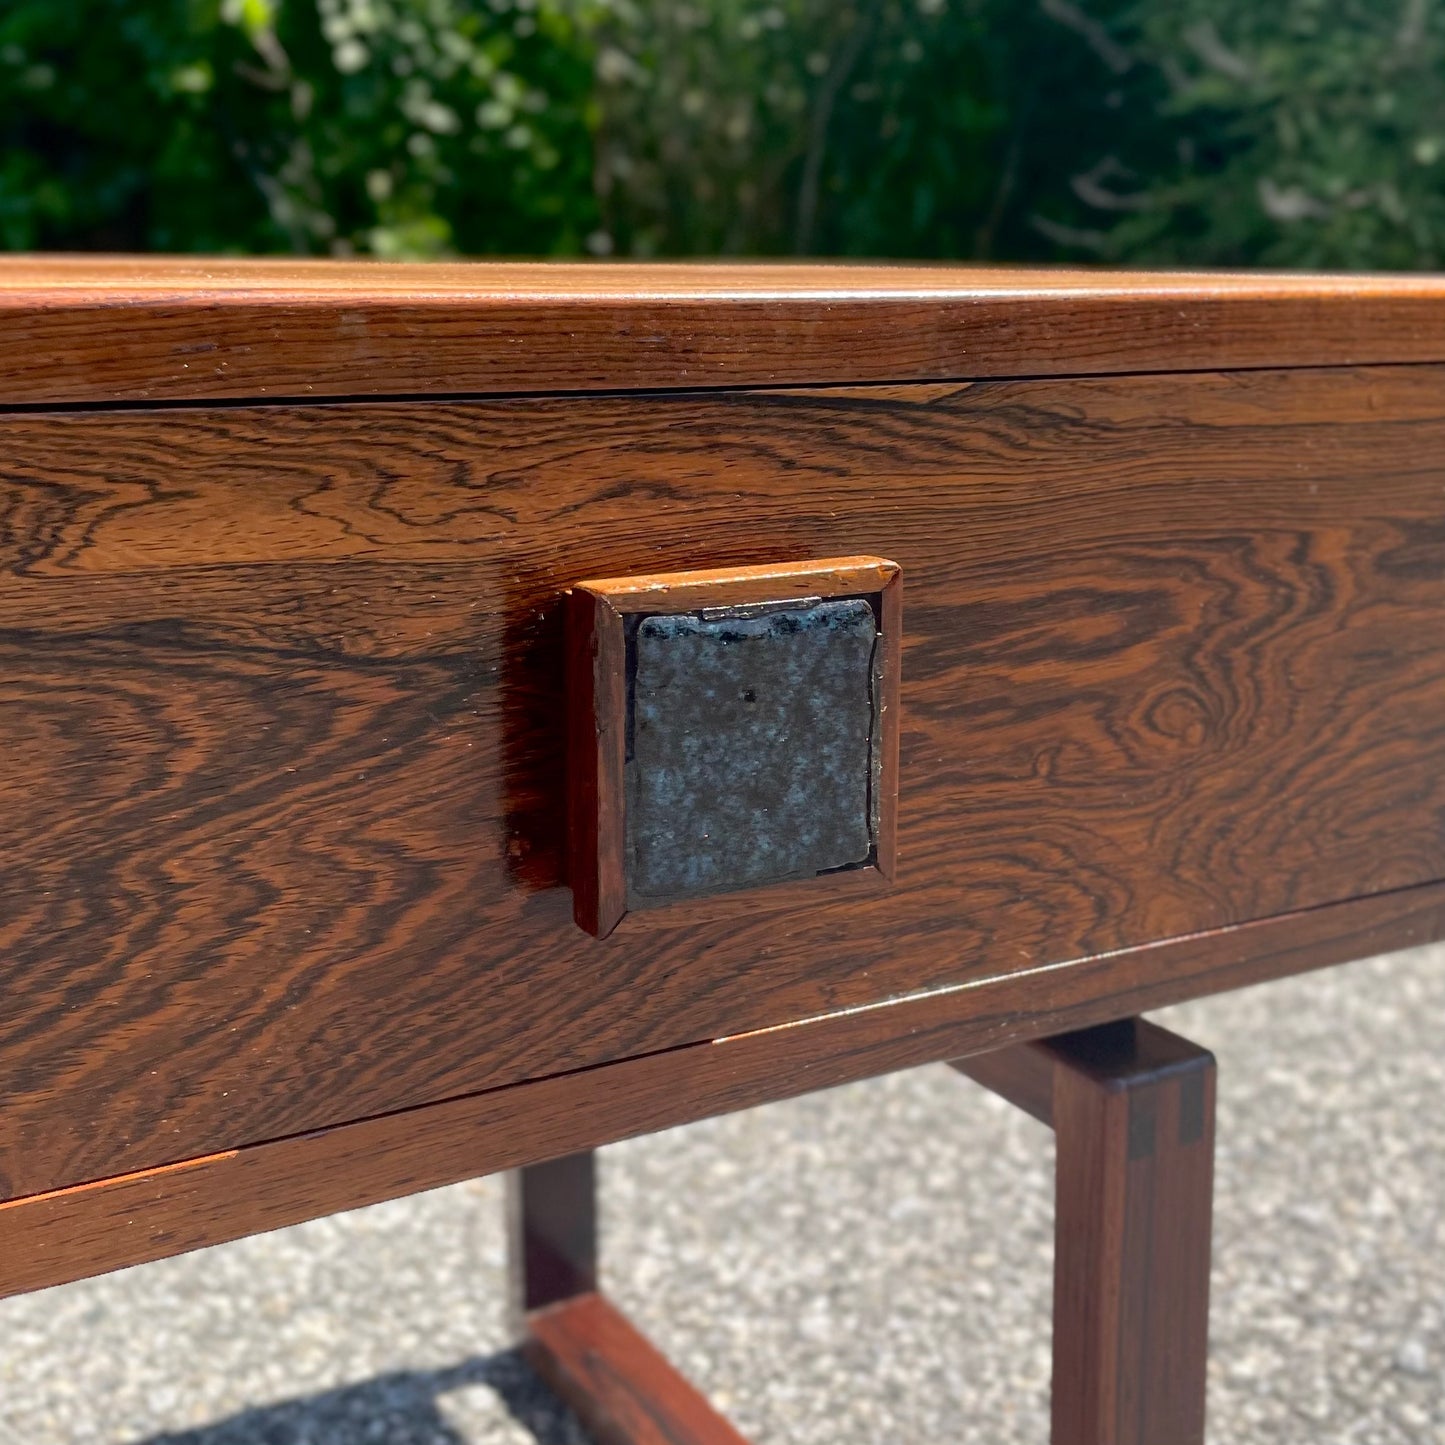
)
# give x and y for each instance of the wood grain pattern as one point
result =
(147, 329)
(621, 1388)
(281, 797)
(50, 1238)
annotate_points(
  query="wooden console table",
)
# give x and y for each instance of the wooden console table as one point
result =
(285, 552)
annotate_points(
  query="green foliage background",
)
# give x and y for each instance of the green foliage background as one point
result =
(1303, 132)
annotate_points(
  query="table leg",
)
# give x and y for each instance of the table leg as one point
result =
(621, 1388)
(1132, 1107)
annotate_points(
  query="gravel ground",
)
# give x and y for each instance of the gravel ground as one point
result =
(866, 1265)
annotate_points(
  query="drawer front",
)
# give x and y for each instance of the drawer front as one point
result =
(281, 790)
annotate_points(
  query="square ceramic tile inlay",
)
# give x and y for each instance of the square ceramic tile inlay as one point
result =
(751, 746)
